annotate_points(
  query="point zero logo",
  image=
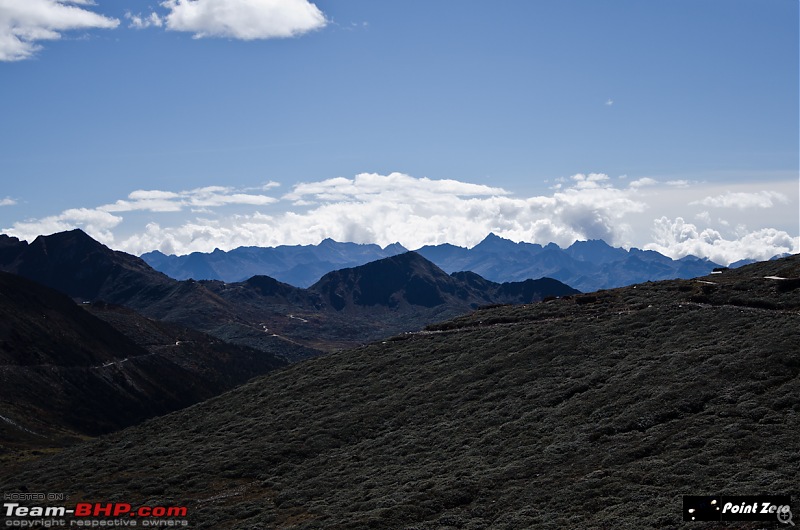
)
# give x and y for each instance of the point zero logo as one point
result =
(737, 508)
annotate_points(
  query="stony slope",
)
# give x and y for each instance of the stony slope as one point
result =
(594, 411)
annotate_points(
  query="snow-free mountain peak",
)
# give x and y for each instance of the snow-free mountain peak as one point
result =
(585, 265)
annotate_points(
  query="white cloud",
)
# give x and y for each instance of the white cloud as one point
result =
(591, 181)
(141, 22)
(168, 201)
(99, 222)
(153, 195)
(703, 216)
(645, 181)
(220, 195)
(383, 209)
(24, 23)
(243, 19)
(677, 238)
(678, 183)
(742, 200)
(96, 223)
(397, 186)
(8, 201)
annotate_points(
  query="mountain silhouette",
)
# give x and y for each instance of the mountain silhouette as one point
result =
(404, 279)
(86, 270)
(299, 265)
(410, 279)
(76, 264)
(584, 265)
(347, 307)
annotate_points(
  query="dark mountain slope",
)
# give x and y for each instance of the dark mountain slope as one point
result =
(406, 279)
(597, 411)
(210, 365)
(66, 374)
(406, 292)
(39, 325)
(345, 308)
(10, 248)
(74, 263)
(529, 291)
(410, 279)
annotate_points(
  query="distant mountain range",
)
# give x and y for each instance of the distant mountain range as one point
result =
(346, 307)
(585, 265)
(299, 265)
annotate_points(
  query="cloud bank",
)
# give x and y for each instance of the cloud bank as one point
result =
(24, 23)
(677, 238)
(741, 200)
(95, 222)
(243, 19)
(383, 209)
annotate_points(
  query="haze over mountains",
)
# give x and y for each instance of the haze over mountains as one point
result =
(593, 411)
(584, 265)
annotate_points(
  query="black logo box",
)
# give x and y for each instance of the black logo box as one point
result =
(749, 507)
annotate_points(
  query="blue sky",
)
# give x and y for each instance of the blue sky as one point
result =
(189, 125)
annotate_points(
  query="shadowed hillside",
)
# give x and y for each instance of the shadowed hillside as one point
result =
(66, 374)
(74, 263)
(595, 411)
(411, 280)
